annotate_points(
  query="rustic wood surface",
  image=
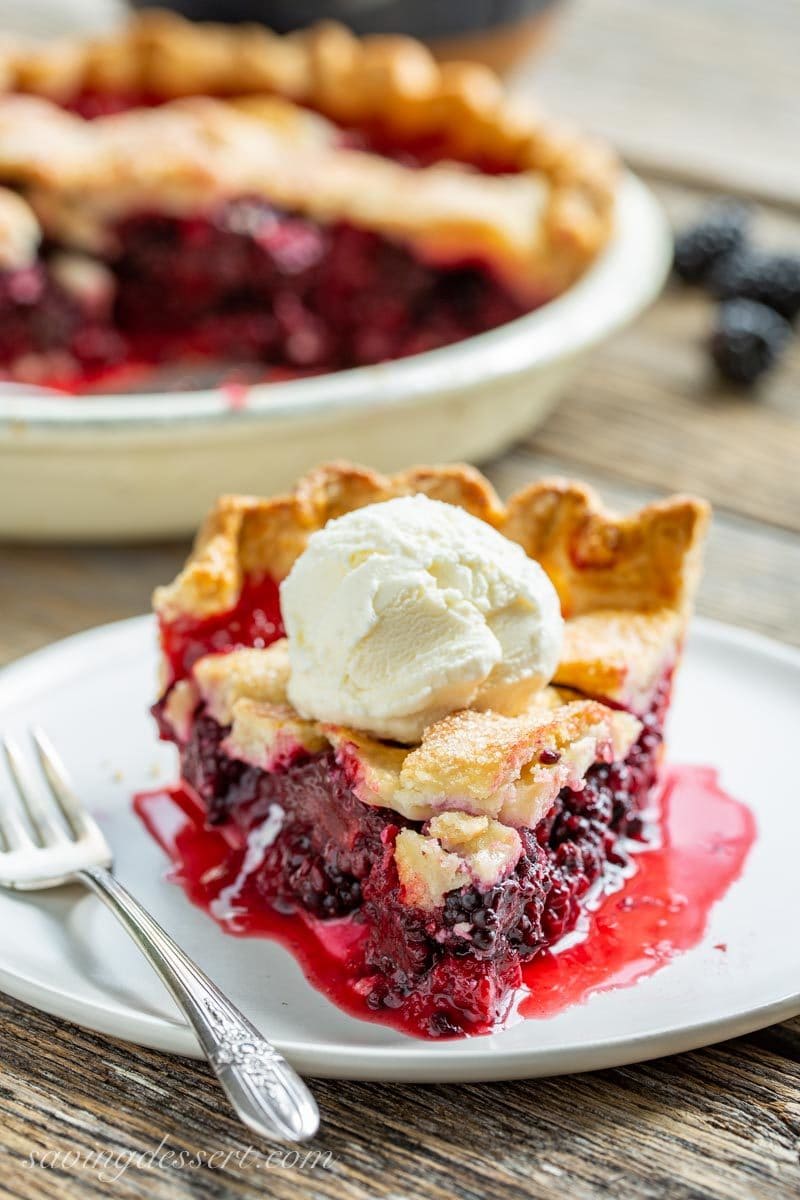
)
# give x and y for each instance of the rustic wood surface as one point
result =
(721, 1123)
(702, 90)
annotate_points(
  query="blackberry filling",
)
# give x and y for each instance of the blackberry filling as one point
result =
(249, 285)
(253, 282)
(39, 319)
(451, 970)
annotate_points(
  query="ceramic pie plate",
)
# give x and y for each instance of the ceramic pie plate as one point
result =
(150, 465)
(735, 708)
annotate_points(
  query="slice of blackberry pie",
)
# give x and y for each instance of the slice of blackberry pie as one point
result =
(425, 721)
(222, 195)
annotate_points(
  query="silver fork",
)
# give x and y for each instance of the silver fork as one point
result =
(40, 851)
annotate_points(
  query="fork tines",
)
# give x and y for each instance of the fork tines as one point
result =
(49, 834)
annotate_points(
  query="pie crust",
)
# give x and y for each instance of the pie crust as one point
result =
(538, 218)
(475, 778)
(509, 768)
(625, 583)
(82, 177)
(19, 232)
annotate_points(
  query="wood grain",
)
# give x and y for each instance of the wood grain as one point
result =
(752, 570)
(718, 1124)
(651, 411)
(700, 89)
(47, 592)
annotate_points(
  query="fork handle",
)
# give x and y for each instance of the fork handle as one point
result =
(268, 1094)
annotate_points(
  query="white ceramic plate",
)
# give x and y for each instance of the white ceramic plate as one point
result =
(141, 466)
(736, 707)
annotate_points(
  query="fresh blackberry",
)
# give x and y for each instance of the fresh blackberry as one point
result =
(720, 232)
(748, 340)
(771, 279)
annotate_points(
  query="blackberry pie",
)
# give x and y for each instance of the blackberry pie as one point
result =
(270, 205)
(427, 724)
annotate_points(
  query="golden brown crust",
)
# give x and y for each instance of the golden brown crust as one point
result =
(484, 763)
(192, 155)
(392, 82)
(598, 560)
(244, 535)
(269, 735)
(508, 768)
(625, 583)
(260, 676)
(619, 654)
(19, 232)
(454, 850)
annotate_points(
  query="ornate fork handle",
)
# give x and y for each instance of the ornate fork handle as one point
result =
(268, 1094)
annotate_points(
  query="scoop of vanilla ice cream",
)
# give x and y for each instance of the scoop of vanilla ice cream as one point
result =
(402, 612)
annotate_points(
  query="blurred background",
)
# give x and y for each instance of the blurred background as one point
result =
(704, 89)
(701, 97)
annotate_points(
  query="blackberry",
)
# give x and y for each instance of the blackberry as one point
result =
(771, 279)
(721, 231)
(748, 340)
(484, 939)
(322, 889)
(443, 1025)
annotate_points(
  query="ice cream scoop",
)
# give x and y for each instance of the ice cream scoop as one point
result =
(402, 612)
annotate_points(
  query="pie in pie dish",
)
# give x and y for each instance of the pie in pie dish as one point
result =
(428, 714)
(298, 204)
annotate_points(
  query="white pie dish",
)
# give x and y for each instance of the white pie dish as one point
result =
(149, 465)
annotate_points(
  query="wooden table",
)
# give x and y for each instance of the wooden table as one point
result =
(644, 418)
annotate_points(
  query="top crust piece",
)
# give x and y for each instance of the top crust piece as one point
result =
(392, 83)
(82, 177)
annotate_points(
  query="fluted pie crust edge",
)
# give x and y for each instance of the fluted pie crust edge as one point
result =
(626, 583)
(389, 81)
